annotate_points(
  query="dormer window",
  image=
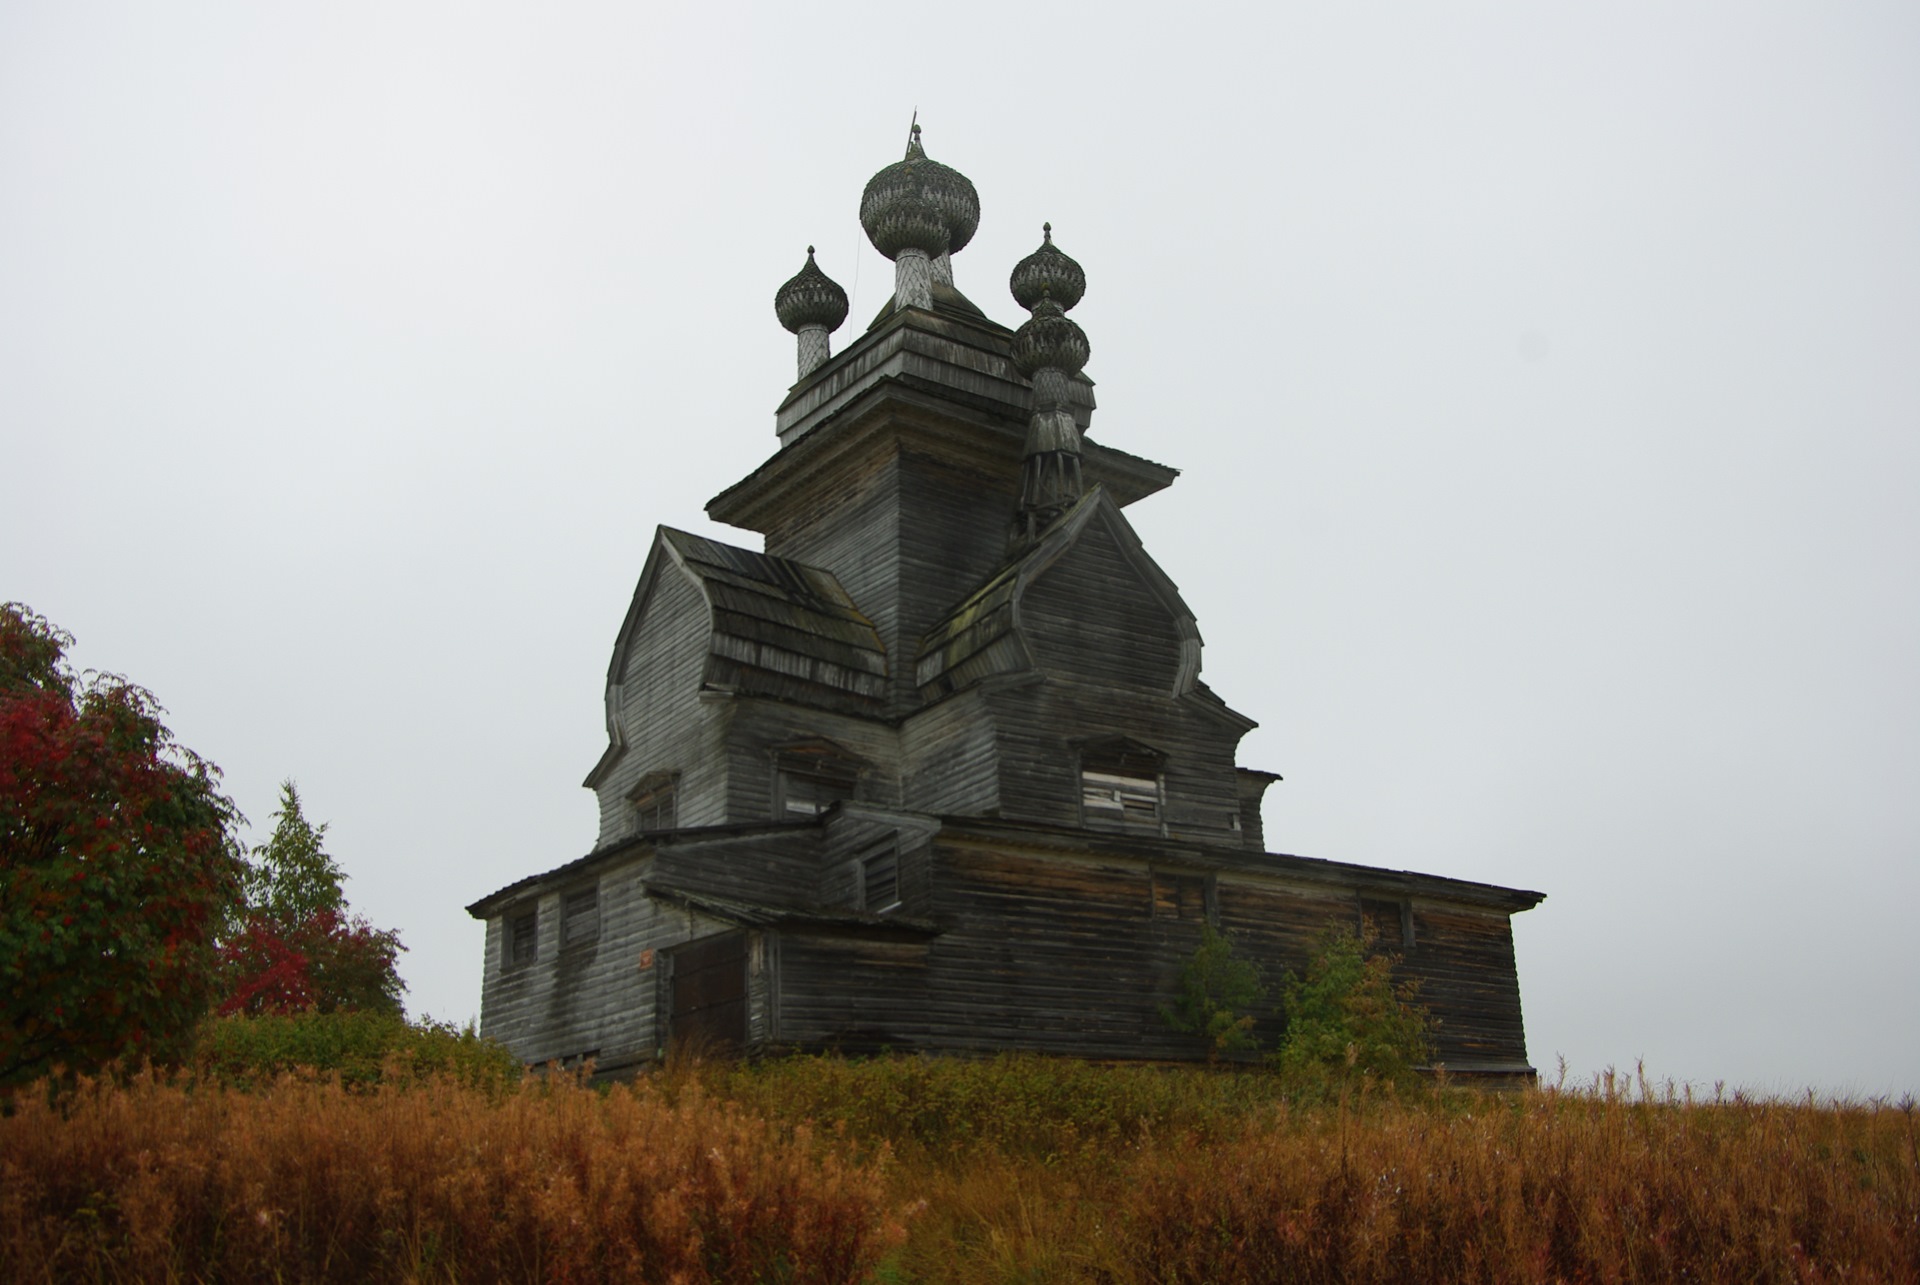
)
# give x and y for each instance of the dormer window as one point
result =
(810, 778)
(1120, 786)
(653, 802)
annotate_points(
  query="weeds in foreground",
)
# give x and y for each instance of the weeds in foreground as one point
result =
(305, 1180)
(930, 1170)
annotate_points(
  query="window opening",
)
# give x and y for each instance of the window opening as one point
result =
(523, 938)
(809, 780)
(580, 916)
(1121, 798)
(880, 881)
(654, 802)
(1120, 786)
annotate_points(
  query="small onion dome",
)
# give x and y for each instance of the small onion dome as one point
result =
(1050, 339)
(812, 298)
(947, 190)
(1047, 271)
(907, 222)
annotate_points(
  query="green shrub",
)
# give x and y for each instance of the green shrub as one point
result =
(1218, 993)
(1347, 1018)
(362, 1048)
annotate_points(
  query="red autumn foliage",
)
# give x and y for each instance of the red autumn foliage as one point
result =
(116, 865)
(327, 962)
(295, 947)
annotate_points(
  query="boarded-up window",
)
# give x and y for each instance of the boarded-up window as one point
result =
(653, 802)
(580, 917)
(1134, 799)
(1389, 922)
(1179, 896)
(811, 778)
(1120, 786)
(880, 881)
(523, 938)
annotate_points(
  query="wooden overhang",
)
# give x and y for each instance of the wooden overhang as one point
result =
(782, 628)
(940, 385)
(630, 848)
(1066, 840)
(763, 914)
(1211, 859)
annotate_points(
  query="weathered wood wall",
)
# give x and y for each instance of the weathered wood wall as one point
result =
(1077, 954)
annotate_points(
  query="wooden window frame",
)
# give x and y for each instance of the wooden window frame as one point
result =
(658, 794)
(577, 929)
(864, 867)
(1123, 787)
(832, 774)
(512, 957)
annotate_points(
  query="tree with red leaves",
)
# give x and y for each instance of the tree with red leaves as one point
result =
(118, 866)
(296, 947)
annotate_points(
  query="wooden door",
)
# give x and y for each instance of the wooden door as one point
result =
(710, 995)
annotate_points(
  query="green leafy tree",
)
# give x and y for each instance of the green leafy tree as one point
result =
(1347, 1017)
(291, 877)
(1218, 993)
(117, 865)
(294, 947)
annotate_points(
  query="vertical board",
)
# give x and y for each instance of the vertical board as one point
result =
(710, 994)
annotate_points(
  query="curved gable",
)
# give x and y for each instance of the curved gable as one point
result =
(753, 624)
(1085, 602)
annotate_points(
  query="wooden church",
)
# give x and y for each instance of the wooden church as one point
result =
(936, 770)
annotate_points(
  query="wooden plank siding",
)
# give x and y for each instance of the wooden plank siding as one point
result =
(1077, 954)
(664, 723)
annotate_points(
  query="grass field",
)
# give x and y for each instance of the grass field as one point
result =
(897, 1170)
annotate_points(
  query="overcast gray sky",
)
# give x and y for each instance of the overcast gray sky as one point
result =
(1546, 382)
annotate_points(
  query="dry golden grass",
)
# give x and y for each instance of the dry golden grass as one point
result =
(308, 1182)
(924, 1170)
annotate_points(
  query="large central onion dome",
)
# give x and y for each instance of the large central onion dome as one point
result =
(947, 194)
(907, 222)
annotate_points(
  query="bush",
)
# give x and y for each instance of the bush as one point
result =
(362, 1048)
(1218, 993)
(1346, 1017)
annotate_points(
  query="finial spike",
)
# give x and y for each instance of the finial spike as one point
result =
(1046, 233)
(809, 252)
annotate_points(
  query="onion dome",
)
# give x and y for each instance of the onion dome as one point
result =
(945, 190)
(811, 298)
(907, 222)
(1046, 271)
(1050, 340)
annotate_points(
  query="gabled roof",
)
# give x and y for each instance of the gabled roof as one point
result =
(780, 628)
(980, 637)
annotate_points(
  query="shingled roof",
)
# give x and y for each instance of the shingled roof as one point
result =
(781, 628)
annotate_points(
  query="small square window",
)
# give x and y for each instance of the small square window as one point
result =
(580, 916)
(654, 802)
(1120, 786)
(523, 938)
(810, 779)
